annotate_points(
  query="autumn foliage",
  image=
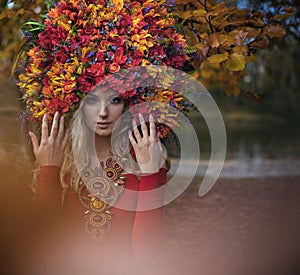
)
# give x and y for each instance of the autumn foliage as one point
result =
(222, 38)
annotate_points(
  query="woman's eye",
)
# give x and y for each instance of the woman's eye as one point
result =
(116, 100)
(91, 100)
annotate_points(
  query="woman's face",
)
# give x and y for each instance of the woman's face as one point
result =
(101, 110)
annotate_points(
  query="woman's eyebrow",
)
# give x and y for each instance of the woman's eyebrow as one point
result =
(91, 95)
(114, 95)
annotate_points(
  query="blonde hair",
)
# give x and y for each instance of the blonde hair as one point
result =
(81, 138)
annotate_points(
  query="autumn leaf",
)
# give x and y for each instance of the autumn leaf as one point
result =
(20, 12)
(235, 62)
(4, 14)
(218, 58)
(213, 40)
(191, 37)
(199, 13)
(226, 39)
(289, 9)
(182, 2)
(240, 37)
(262, 44)
(282, 16)
(242, 50)
(183, 14)
(274, 31)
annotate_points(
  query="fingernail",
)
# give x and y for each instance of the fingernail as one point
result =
(151, 117)
(140, 116)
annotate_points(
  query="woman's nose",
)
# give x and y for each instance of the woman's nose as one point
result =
(103, 112)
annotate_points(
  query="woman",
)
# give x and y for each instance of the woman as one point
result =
(98, 115)
(91, 168)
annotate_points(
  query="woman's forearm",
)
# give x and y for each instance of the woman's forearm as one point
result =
(148, 227)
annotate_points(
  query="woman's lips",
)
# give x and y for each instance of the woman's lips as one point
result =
(103, 125)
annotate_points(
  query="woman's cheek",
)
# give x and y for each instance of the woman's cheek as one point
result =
(90, 116)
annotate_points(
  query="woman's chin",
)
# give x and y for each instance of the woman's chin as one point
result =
(103, 132)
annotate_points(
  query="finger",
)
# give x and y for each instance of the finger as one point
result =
(158, 140)
(152, 128)
(66, 138)
(44, 129)
(61, 128)
(131, 138)
(143, 126)
(54, 125)
(34, 141)
(136, 132)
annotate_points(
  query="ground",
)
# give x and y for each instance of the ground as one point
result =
(248, 226)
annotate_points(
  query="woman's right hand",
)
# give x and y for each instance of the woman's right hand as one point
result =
(50, 151)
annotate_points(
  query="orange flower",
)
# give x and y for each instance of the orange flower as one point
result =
(114, 67)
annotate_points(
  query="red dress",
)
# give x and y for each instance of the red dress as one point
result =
(136, 233)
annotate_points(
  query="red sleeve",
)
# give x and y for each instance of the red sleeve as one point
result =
(148, 224)
(49, 186)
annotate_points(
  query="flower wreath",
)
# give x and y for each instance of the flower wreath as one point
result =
(82, 41)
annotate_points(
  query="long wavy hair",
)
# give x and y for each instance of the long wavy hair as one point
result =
(80, 148)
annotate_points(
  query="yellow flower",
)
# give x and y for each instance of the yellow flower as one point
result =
(41, 113)
(118, 5)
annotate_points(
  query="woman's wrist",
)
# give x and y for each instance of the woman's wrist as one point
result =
(148, 169)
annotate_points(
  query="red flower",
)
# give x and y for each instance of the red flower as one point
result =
(119, 56)
(127, 94)
(90, 31)
(136, 58)
(97, 69)
(71, 98)
(157, 52)
(56, 105)
(143, 108)
(69, 86)
(124, 23)
(86, 82)
(61, 56)
(45, 81)
(84, 40)
(117, 41)
(176, 61)
(103, 44)
(100, 56)
(51, 36)
(151, 22)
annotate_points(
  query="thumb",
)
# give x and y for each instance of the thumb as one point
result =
(34, 141)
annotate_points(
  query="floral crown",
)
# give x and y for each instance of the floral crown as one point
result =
(82, 41)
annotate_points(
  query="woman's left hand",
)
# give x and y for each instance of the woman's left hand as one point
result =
(147, 147)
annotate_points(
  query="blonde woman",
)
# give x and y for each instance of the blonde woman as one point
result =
(92, 160)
